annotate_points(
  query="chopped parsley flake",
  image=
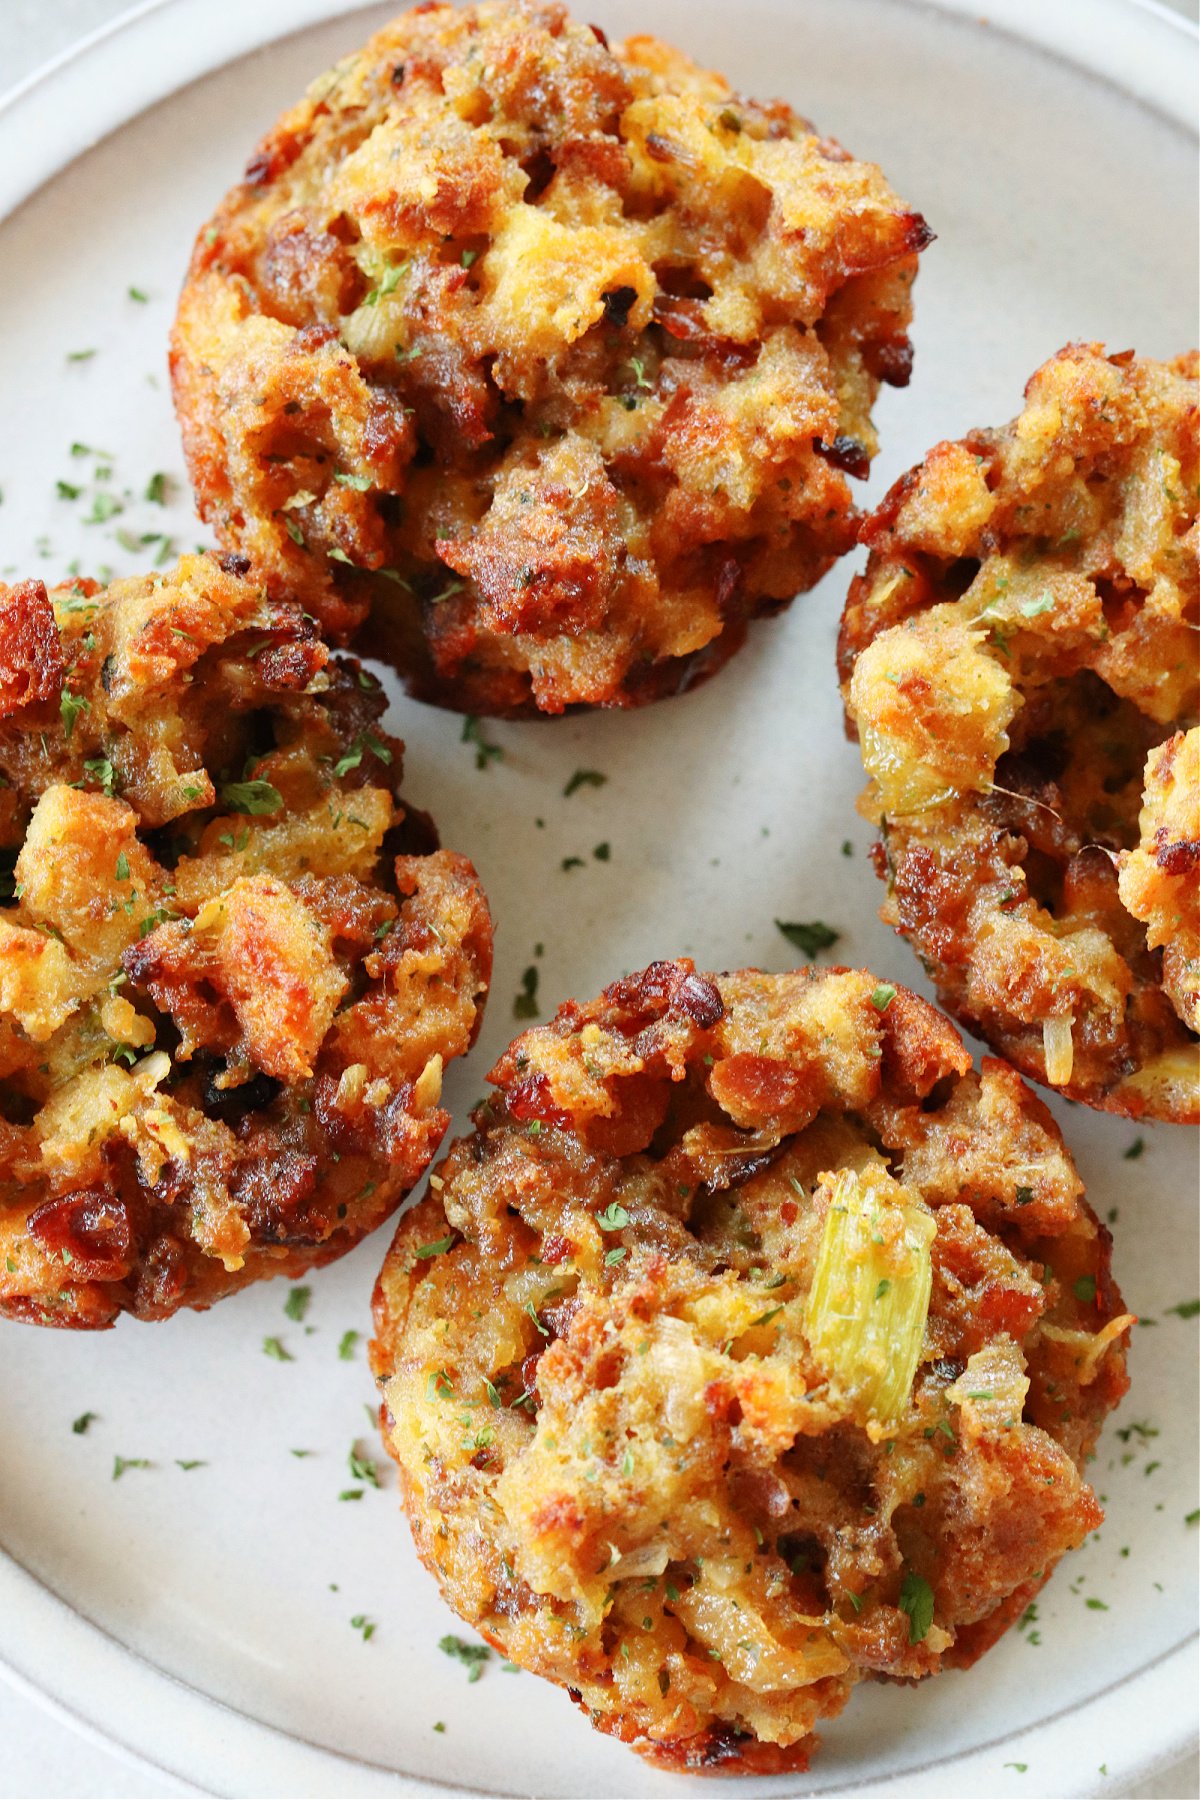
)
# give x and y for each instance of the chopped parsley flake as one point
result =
(472, 733)
(389, 281)
(362, 1468)
(121, 1463)
(472, 1656)
(122, 868)
(354, 755)
(296, 1304)
(346, 1346)
(273, 1348)
(525, 1004)
(437, 1247)
(70, 706)
(602, 852)
(811, 937)
(104, 508)
(583, 778)
(100, 770)
(916, 1599)
(883, 996)
(361, 1623)
(1187, 1309)
(156, 489)
(1085, 1289)
(613, 1218)
(80, 1425)
(1135, 1149)
(191, 1463)
(452, 587)
(253, 797)
(611, 1258)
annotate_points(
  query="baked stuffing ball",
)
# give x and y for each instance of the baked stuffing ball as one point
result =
(231, 966)
(752, 1346)
(552, 354)
(1021, 666)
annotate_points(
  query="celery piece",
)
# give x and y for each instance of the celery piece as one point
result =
(866, 1310)
(1059, 1049)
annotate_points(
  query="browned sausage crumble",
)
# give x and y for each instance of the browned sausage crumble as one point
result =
(752, 1346)
(550, 352)
(1020, 663)
(231, 965)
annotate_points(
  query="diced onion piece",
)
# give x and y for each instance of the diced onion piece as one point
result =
(736, 1634)
(866, 1310)
(1086, 1350)
(991, 1389)
(427, 1089)
(1059, 1049)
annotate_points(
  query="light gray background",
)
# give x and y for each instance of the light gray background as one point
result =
(39, 1754)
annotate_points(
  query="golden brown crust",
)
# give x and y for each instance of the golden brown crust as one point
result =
(1016, 662)
(625, 1453)
(227, 985)
(553, 354)
(1160, 881)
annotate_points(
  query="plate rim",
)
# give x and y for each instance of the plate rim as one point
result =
(59, 112)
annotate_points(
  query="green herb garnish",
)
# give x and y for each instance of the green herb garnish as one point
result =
(253, 797)
(916, 1599)
(811, 937)
(584, 778)
(70, 706)
(472, 1656)
(525, 1004)
(296, 1304)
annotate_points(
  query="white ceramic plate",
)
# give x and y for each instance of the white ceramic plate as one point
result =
(202, 1618)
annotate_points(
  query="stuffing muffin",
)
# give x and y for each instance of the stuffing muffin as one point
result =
(552, 354)
(751, 1347)
(1020, 665)
(232, 966)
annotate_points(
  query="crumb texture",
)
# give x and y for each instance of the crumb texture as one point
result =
(232, 966)
(1020, 665)
(552, 353)
(751, 1347)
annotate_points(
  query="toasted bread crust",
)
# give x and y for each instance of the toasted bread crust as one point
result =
(625, 1454)
(1017, 661)
(231, 965)
(550, 353)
